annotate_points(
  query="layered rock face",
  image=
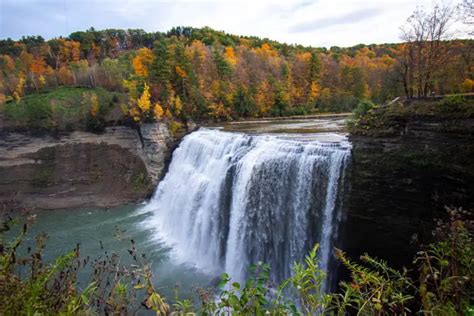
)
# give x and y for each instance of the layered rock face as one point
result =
(83, 169)
(400, 184)
(157, 144)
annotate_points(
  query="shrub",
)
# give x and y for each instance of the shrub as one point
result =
(452, 102)
(95, 124)
(374, 289)
(467, 85)
(51, 289)
(445, 285)
(307, 283)
(297, 111)
(257, 296)
(175, 128)
(446, 267)
(34, 113)
(362, 108)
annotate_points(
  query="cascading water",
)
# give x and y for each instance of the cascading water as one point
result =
(230, 200)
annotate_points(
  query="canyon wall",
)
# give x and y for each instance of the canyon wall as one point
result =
(81, 169)
(400, 184)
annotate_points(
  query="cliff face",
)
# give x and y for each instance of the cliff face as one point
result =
(157, 145)
(83, 169)
(400, 184)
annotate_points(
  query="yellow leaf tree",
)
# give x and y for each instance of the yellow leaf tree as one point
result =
(230, 55)
(158, 111)
(144, 103)
(19, 88)
(314, 91)
(94, 105)
(142, 62)
(178, 106)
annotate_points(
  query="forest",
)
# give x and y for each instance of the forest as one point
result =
(201, 73)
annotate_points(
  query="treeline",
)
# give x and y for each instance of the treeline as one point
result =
(201, 73)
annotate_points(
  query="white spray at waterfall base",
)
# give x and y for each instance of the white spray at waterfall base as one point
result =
(230, 200)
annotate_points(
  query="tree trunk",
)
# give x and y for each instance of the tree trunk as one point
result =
(32, 76)
(405, 83)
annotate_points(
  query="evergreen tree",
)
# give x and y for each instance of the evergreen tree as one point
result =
(243, 105)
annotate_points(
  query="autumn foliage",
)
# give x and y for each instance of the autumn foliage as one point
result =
(203, 73)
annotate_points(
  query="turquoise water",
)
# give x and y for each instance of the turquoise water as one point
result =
(115, 228)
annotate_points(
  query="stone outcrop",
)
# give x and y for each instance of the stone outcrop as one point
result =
(157, 146)
(83, 169)
(400, 184)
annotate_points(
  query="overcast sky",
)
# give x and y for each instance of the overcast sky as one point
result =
(307, 22)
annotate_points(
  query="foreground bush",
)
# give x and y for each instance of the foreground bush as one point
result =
(29, 286)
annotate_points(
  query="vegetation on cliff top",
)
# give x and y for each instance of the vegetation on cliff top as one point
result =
(445, 285)
(392, 119)
(206, 74)
(65, 109)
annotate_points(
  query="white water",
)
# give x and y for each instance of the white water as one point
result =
(230, 200)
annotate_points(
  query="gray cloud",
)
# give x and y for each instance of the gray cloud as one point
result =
(349, 18)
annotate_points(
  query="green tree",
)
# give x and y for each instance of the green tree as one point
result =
(224, 69)
(280, 104)
(243, 103)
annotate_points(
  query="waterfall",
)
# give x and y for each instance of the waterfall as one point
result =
(230, 200)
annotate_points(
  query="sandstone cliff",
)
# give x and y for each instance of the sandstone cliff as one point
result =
(83, 169)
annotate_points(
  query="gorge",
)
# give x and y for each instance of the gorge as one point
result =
(245, 192)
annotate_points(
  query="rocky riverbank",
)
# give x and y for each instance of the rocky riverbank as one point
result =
(83, 169)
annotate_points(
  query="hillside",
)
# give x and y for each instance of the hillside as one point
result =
(201, 74)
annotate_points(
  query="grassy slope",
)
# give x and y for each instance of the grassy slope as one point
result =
(61, 109)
